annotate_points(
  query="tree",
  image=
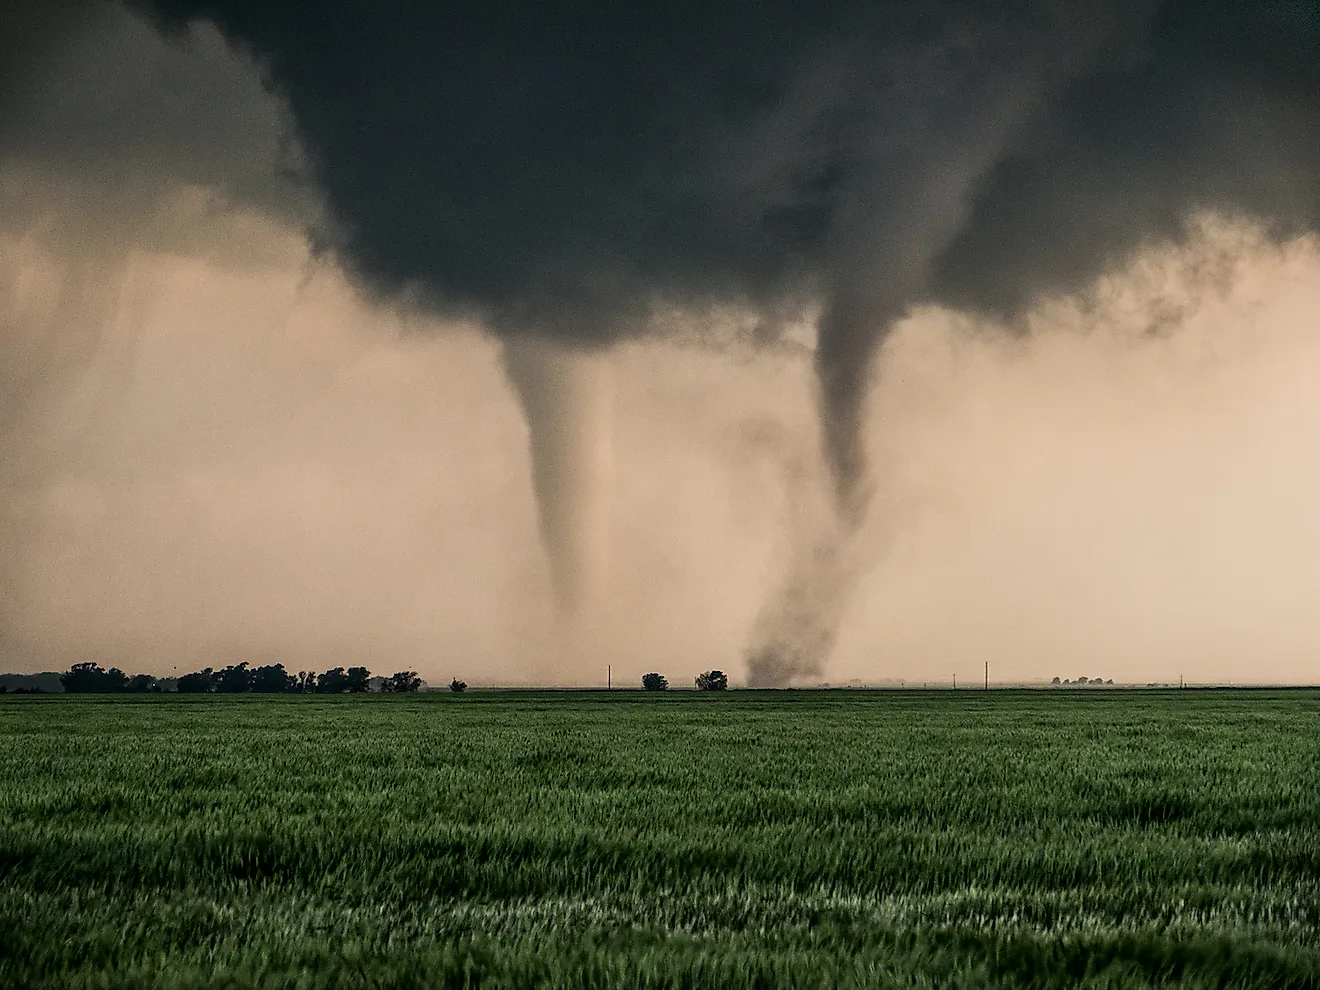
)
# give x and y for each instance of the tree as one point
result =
(83, 678)
(1055, 681)
(234, 679)
(402, 682)
(91, 678)
(358, 680)
(306, 681)
(457, 686)
(273, 679)
(712, 680)
(654, 682)
(333, 681)
(200, 682)
(142, 684)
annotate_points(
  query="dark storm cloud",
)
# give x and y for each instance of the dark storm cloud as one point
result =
(556, 168)
(1219, 109)
(98, 105)
(27, 30)
(560, 168)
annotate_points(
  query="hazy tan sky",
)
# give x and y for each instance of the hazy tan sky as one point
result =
(256, 464)
(215, 449)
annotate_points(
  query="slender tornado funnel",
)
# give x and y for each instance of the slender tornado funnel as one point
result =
(567, 396)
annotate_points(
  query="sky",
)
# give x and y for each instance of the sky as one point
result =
(877, 355)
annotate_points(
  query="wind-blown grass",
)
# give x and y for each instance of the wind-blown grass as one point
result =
(749, 840)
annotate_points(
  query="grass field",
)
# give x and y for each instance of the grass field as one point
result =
(800, 839)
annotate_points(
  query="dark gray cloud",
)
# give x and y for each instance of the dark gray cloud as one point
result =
(29, 30)
(561, 169)
(98, 108)
(1219, 109)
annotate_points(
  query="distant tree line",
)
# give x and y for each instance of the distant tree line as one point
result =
(91, 678)
(242, 678)
(239, 678)
(711, 680)
(47, 682)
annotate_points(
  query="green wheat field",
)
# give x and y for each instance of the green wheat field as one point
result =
(778, 839)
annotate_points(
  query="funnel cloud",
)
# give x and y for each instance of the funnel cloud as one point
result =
(560, 177)
(567, 396)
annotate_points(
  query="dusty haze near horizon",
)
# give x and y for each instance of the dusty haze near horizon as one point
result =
(215, 450)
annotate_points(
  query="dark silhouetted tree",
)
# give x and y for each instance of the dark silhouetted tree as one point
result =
(142, 684)
(654, 682)
(333, 681)
(234, 679)
(358, 680)
(306, 681)
(199, 682)
(91, 678)
(401, 682)
(1055, 681)
(712, 680)
(456, 685)
(83, 678)
(272, 679)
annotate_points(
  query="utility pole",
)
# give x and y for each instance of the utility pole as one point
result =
(955, 682)
(609, 678)
(987, 675)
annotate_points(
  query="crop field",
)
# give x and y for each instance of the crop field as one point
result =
(795, 839)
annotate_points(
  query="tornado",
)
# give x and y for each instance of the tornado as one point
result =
(794, 633)
(567, 398)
